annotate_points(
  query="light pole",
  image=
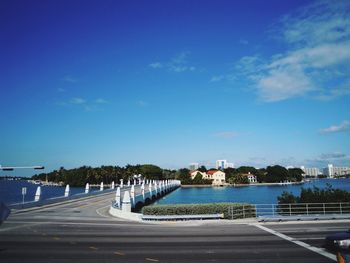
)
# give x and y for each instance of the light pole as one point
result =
(24, 189)
(11, 168)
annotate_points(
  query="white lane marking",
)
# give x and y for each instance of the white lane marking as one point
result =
(311, 238)
(98, 212)
(21, 226)
(297, 242)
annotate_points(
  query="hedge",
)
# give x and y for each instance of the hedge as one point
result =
(230, 210)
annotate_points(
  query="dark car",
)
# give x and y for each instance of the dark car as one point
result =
(333, 242)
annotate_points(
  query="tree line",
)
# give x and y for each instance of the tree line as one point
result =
(95, 175)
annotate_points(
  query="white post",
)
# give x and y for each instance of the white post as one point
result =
(112, 186)
(121, 183)
(87, 188)
(150, 189)
(117, 196)
(132, 194)
(101, 186)
(155, 187)
(66, 191)
(134, 181)
(128, 182)
(37, 194)
(143, 190)
(126, 205)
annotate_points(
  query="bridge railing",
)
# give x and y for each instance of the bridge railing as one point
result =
(289, 210)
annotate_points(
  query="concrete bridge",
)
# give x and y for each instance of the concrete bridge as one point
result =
(139, 192)
(137, 196)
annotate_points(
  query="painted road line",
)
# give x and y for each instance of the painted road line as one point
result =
(22, 226)
(297, 242)
(93, 248)
(311, 238)
(152, 259)
(99, 213)
(119, 253)
(56, 238)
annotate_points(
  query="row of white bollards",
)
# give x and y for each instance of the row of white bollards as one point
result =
(152, 186)
(129, 197)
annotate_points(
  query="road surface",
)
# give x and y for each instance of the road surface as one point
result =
(83, 231)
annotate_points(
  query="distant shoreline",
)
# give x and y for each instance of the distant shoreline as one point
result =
(239, 185)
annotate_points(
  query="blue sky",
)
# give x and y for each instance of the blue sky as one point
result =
(174, 82)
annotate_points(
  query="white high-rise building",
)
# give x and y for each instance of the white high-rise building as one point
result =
(223, 164)
(193, 166)
(313, 172)
(331, 171)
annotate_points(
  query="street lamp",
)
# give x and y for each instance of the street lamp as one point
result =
(11, 168)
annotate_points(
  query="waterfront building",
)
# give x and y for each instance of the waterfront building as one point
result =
(251, 178)
(332, 171)
(195, 172)
(312, 172)
(223, 164)
(217, 176)
(193, 166)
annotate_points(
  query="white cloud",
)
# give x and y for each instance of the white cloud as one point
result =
(316, 62)
(177, 64)
(156, 65)
(101, 101)
(142, 103)
(81, 103)
(217, 78)
(243, 41)
(336, 158)
(69, 79)
(77, 101)
(317, 23)
(344, 126)
(226, 134)
(283, 83)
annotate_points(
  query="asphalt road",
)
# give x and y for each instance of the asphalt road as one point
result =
(82, 231)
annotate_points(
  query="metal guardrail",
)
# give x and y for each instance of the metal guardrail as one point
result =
(291, 211)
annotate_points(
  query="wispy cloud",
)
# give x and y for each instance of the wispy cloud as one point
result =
(243, 41)
(101, 101)
(77, 101)
(217, 78)
(142, 103)
(81, 103)
(226, 134)
(69, 79)
(178, 64)
(317, 59)
(344, 126)
(156, 65)
(323, 159)
(61, 90)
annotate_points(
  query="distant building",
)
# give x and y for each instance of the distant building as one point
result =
(217, 176)
(312, 172)
(251, 178)
(193, 166)
(331, 171)
(194, 173)
(223, 164)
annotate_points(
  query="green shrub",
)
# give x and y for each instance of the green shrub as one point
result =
(229, 210)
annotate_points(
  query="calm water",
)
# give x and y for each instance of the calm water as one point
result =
(248, 194)
(11, 191)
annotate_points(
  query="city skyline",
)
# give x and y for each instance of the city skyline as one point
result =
(170, 83)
